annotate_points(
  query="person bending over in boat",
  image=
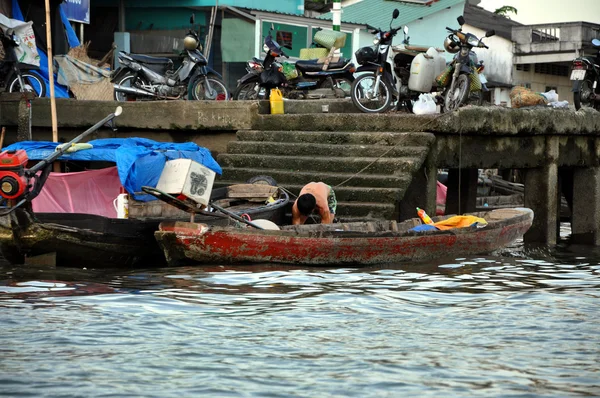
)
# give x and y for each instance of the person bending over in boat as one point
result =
(314, 196)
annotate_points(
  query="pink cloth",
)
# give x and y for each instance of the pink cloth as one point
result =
(90, 192)
(441, 194)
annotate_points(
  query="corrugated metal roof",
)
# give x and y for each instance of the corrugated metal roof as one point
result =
(378, 13)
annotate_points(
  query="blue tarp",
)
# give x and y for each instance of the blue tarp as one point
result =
(139, 160)
(60, 91)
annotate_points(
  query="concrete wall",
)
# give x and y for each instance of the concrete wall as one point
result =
(498, 59)
(539, 82)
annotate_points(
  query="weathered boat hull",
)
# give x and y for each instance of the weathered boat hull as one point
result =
(227, 245)
(86, 240)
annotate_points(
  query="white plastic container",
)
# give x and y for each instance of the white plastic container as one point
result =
(438, 61)
(187, 177)
(121, 204)
(421, 74)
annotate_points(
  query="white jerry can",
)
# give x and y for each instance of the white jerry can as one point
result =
(438, 61)
(187, 177)
(421, 74)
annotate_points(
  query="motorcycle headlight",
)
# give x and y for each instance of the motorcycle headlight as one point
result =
(473, 41)
(266, 48)
(377, 39)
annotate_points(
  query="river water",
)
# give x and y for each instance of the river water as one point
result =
(522, 322)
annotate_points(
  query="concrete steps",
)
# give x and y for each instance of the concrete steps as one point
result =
(287, 177)
(370, 172)
(324, 163)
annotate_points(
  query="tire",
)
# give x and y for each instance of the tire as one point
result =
(32, 81)
(362, 91)
(247, 91)
(198, 92)
(455, 98)
(129, 80)
(344, 83)
(266, 180)
(581, 96)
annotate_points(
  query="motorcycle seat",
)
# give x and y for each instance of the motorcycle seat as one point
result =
(313, 65)
(146, 59)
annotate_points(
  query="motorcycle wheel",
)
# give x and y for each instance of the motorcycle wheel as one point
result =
(343, 84)
(581, 97)
(32, 82)
(199, 91)
(130, 80)
(362, 94)
(456, 97)
(249, 91)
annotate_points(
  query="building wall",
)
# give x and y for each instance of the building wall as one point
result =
(498, 59)
(538, 82)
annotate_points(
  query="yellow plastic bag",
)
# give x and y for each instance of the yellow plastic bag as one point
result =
(459, 222)
(276, 100)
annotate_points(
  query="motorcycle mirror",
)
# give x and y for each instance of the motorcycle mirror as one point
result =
(192, 18)
(490, 33)
(405, 30)
(596, 42)
(395, 14)
(461, 20)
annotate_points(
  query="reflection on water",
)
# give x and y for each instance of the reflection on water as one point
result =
(521, 322)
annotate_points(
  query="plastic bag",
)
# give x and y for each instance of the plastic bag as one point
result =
(551, 96)
(271, 78)
(425, 105)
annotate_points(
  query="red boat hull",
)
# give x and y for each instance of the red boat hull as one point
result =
(228, 245)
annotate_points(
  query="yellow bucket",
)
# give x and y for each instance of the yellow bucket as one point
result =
(276, 99)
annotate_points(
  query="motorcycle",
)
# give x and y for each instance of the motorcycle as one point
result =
(463, 68)
(18, 76)
(375, 90)
(585, 75)
(145, 77)
(302, 80)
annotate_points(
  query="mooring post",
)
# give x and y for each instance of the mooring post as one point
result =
(464, 180)
(586, 206)
(542, 196)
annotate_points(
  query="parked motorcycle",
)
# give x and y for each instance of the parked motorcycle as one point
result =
(18, 76)
(145, 77)
(302, 80)
(465, 79)
(585, 76)
(375, 89)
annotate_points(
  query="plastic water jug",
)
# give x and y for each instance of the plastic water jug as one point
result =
(421, 74)
(121, 205)
(276, 99)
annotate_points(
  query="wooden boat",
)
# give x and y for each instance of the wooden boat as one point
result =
(87, 240)
(339, 244)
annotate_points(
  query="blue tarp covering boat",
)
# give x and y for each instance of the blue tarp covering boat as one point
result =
(139, 160)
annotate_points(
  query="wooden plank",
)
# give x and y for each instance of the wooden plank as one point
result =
(251, 191)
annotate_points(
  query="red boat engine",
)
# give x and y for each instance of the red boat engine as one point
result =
(12, 173)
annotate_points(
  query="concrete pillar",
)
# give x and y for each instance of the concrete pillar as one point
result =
(586, 206)
(543, 196)
(466, 181)
(420, 193)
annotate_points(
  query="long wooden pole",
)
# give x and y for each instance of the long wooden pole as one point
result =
(51, 73)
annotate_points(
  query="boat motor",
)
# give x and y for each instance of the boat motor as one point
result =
(13, 181)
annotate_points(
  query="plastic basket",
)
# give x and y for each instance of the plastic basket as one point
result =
(312, 53)
(444, 78)
(330, 38)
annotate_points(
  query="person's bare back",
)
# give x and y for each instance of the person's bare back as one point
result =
(323, 202)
